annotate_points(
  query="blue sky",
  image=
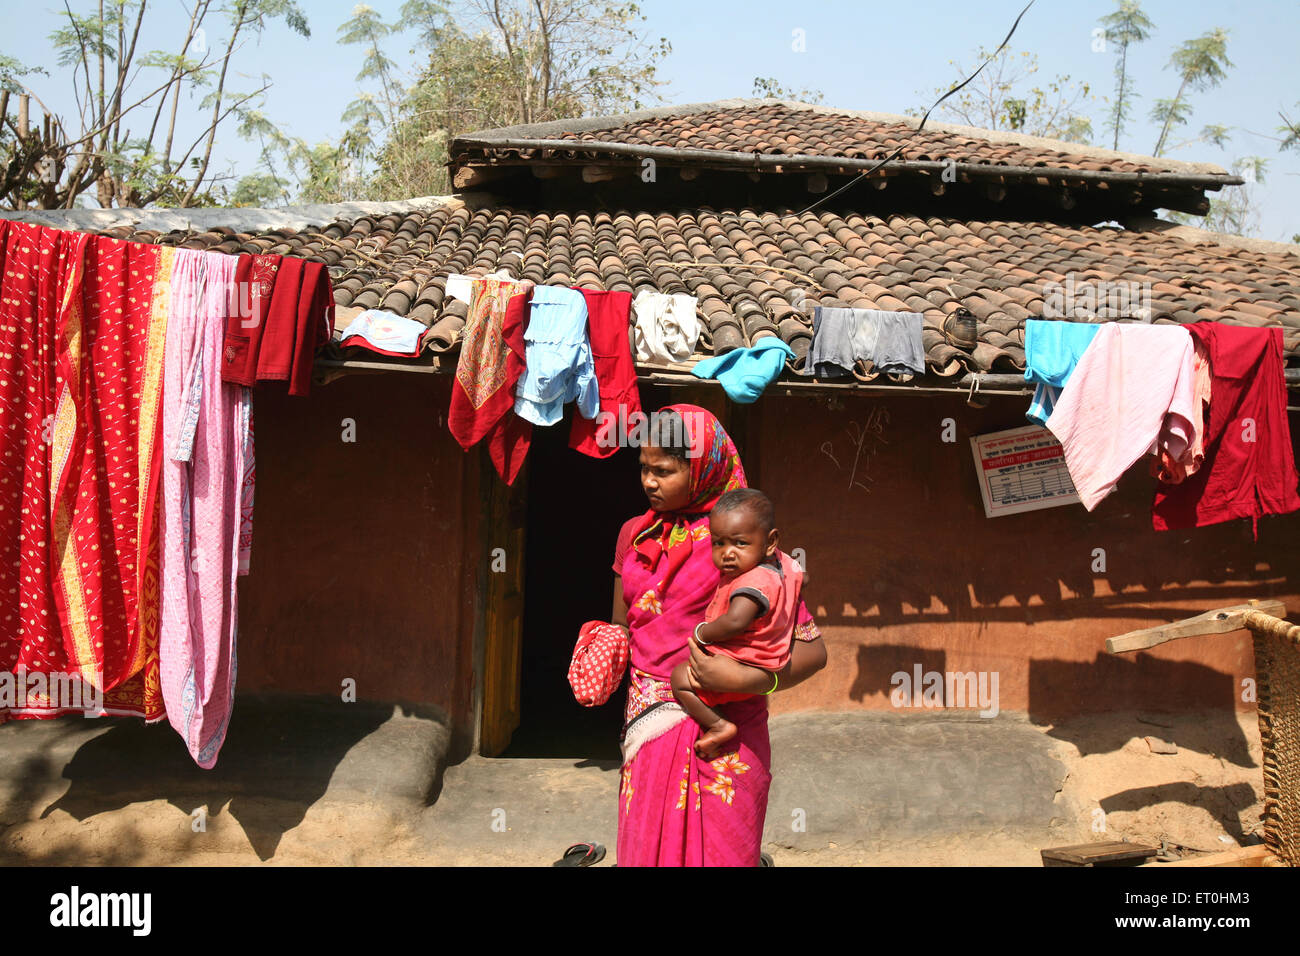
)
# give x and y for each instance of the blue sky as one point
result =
(873, 56)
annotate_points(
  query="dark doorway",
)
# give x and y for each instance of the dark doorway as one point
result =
(576, 505)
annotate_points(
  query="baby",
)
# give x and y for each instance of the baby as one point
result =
(751, 616)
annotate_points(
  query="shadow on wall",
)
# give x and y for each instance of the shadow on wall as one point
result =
(891, 520)
(1044, 571)
(1151, 681)
(895, 670)
(281, 754)
(879, 663)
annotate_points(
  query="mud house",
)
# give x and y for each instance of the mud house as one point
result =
(385, 555)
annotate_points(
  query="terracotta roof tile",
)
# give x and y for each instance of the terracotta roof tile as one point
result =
(750, 134)
(729, 260)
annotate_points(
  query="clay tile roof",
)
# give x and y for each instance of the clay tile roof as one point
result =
(759, 272)
(798, 134)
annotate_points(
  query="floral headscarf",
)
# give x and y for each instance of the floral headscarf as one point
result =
(715, 469)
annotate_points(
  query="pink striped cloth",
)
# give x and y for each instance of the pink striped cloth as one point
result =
(206, 484)
(1134, 388)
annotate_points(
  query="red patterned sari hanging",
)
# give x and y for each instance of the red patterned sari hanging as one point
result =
(82, 331)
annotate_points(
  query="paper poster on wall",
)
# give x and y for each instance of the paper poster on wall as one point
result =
(1021, 469)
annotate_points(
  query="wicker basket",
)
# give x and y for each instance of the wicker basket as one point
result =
(1277, 668)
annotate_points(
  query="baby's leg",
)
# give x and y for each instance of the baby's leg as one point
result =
(717, 729)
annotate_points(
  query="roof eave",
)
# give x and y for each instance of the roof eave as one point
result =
(724, 159)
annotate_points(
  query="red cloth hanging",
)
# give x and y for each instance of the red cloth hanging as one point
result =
(278, 337)
(82, 330)
(491, 362)
(607, 324)
(1249, 468)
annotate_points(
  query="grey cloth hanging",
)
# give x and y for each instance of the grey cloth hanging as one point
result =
(898, 342)
(831, 353)
(890, 341)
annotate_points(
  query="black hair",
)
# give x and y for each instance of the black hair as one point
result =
(751, 500)
(670, 429)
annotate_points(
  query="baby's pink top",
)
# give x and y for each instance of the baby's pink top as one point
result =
(775, 586)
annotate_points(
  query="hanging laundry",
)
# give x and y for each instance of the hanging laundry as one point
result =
(1052, 350)
(889, 341)
(82, 326)
(607, 321)
(1132, 387)
(204, 476)
(1249, 468)
(558, 365)
(459, 287)
(275, 337)
(744, 373)
(840, 336)
(491, 362)
(384, 332)
(667, 327)
(898, 348)
(1165, 468)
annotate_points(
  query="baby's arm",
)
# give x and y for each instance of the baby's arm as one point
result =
(740, 614)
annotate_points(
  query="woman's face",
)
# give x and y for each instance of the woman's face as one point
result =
(666, 480)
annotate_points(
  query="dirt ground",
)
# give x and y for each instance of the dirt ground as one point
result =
(1205, 797)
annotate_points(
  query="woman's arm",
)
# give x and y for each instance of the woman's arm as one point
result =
(806, 659)
(720, 673)
(619, 614)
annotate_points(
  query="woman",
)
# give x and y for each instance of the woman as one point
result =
(675, 809)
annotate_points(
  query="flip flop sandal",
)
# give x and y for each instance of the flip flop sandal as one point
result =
(582, 854)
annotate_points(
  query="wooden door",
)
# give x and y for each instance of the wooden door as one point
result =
(506, 521)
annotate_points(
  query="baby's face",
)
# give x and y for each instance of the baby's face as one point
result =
(739, 544)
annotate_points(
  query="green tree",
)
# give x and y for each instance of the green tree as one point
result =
(501, 63)
(124, 142)
(766, 87)
(1000, 98)
(370, 112)
(1201, 64)
(487, 63)
(1126, 25)
(1290, 132)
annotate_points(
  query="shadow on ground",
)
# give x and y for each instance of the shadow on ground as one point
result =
(281, 755)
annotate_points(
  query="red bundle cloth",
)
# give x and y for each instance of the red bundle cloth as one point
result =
(599, 659)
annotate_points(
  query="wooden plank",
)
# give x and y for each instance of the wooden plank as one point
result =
(1222, 621)
(1240, 856)
(1109, 853)
(503, 609)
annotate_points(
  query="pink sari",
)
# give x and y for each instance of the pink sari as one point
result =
(207, 502)
(675, 809)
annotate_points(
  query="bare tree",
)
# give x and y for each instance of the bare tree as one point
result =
(127, 145)
(1000, 98)
(485, 63)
